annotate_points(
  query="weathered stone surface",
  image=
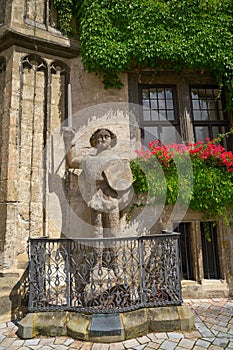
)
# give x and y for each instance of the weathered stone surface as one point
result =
(186, 318)
(78, 326)
(88, 327)
(136, 323)
(170, 318)
(25, 328)
(164, 319)
(50, 323)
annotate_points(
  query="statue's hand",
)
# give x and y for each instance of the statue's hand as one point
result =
(68, 134)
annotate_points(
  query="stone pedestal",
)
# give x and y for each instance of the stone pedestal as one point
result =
(107, 328)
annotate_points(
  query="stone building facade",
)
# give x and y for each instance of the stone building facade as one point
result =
(43, 89)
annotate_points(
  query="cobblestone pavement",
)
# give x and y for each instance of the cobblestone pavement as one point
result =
(213, 330)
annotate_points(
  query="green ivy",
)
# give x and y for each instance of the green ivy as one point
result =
(124, 35)
(212, 191)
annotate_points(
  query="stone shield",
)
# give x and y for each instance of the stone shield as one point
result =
(118, 175)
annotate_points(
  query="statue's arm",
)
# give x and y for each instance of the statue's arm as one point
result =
(72, 160)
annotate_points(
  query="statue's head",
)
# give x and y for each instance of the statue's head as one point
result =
(105, 137)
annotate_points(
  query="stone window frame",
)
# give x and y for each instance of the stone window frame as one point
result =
(49, 19)
(45, 16)
(52, 17)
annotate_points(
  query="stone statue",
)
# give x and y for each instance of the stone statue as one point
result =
(105, 182)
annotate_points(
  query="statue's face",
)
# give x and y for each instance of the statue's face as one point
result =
(103, 140)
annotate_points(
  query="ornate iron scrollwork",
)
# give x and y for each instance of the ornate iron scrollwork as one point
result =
(104, 275)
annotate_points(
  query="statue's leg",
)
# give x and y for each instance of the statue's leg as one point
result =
(97, 225)
(111, 224)
(111, 230)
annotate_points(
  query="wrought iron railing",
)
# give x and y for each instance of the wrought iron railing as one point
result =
(104, 275)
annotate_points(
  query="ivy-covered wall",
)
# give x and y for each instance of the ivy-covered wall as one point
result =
(125, 35)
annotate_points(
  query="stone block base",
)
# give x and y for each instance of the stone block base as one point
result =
(107, 328)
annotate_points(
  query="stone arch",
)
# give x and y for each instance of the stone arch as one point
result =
(34, 61)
